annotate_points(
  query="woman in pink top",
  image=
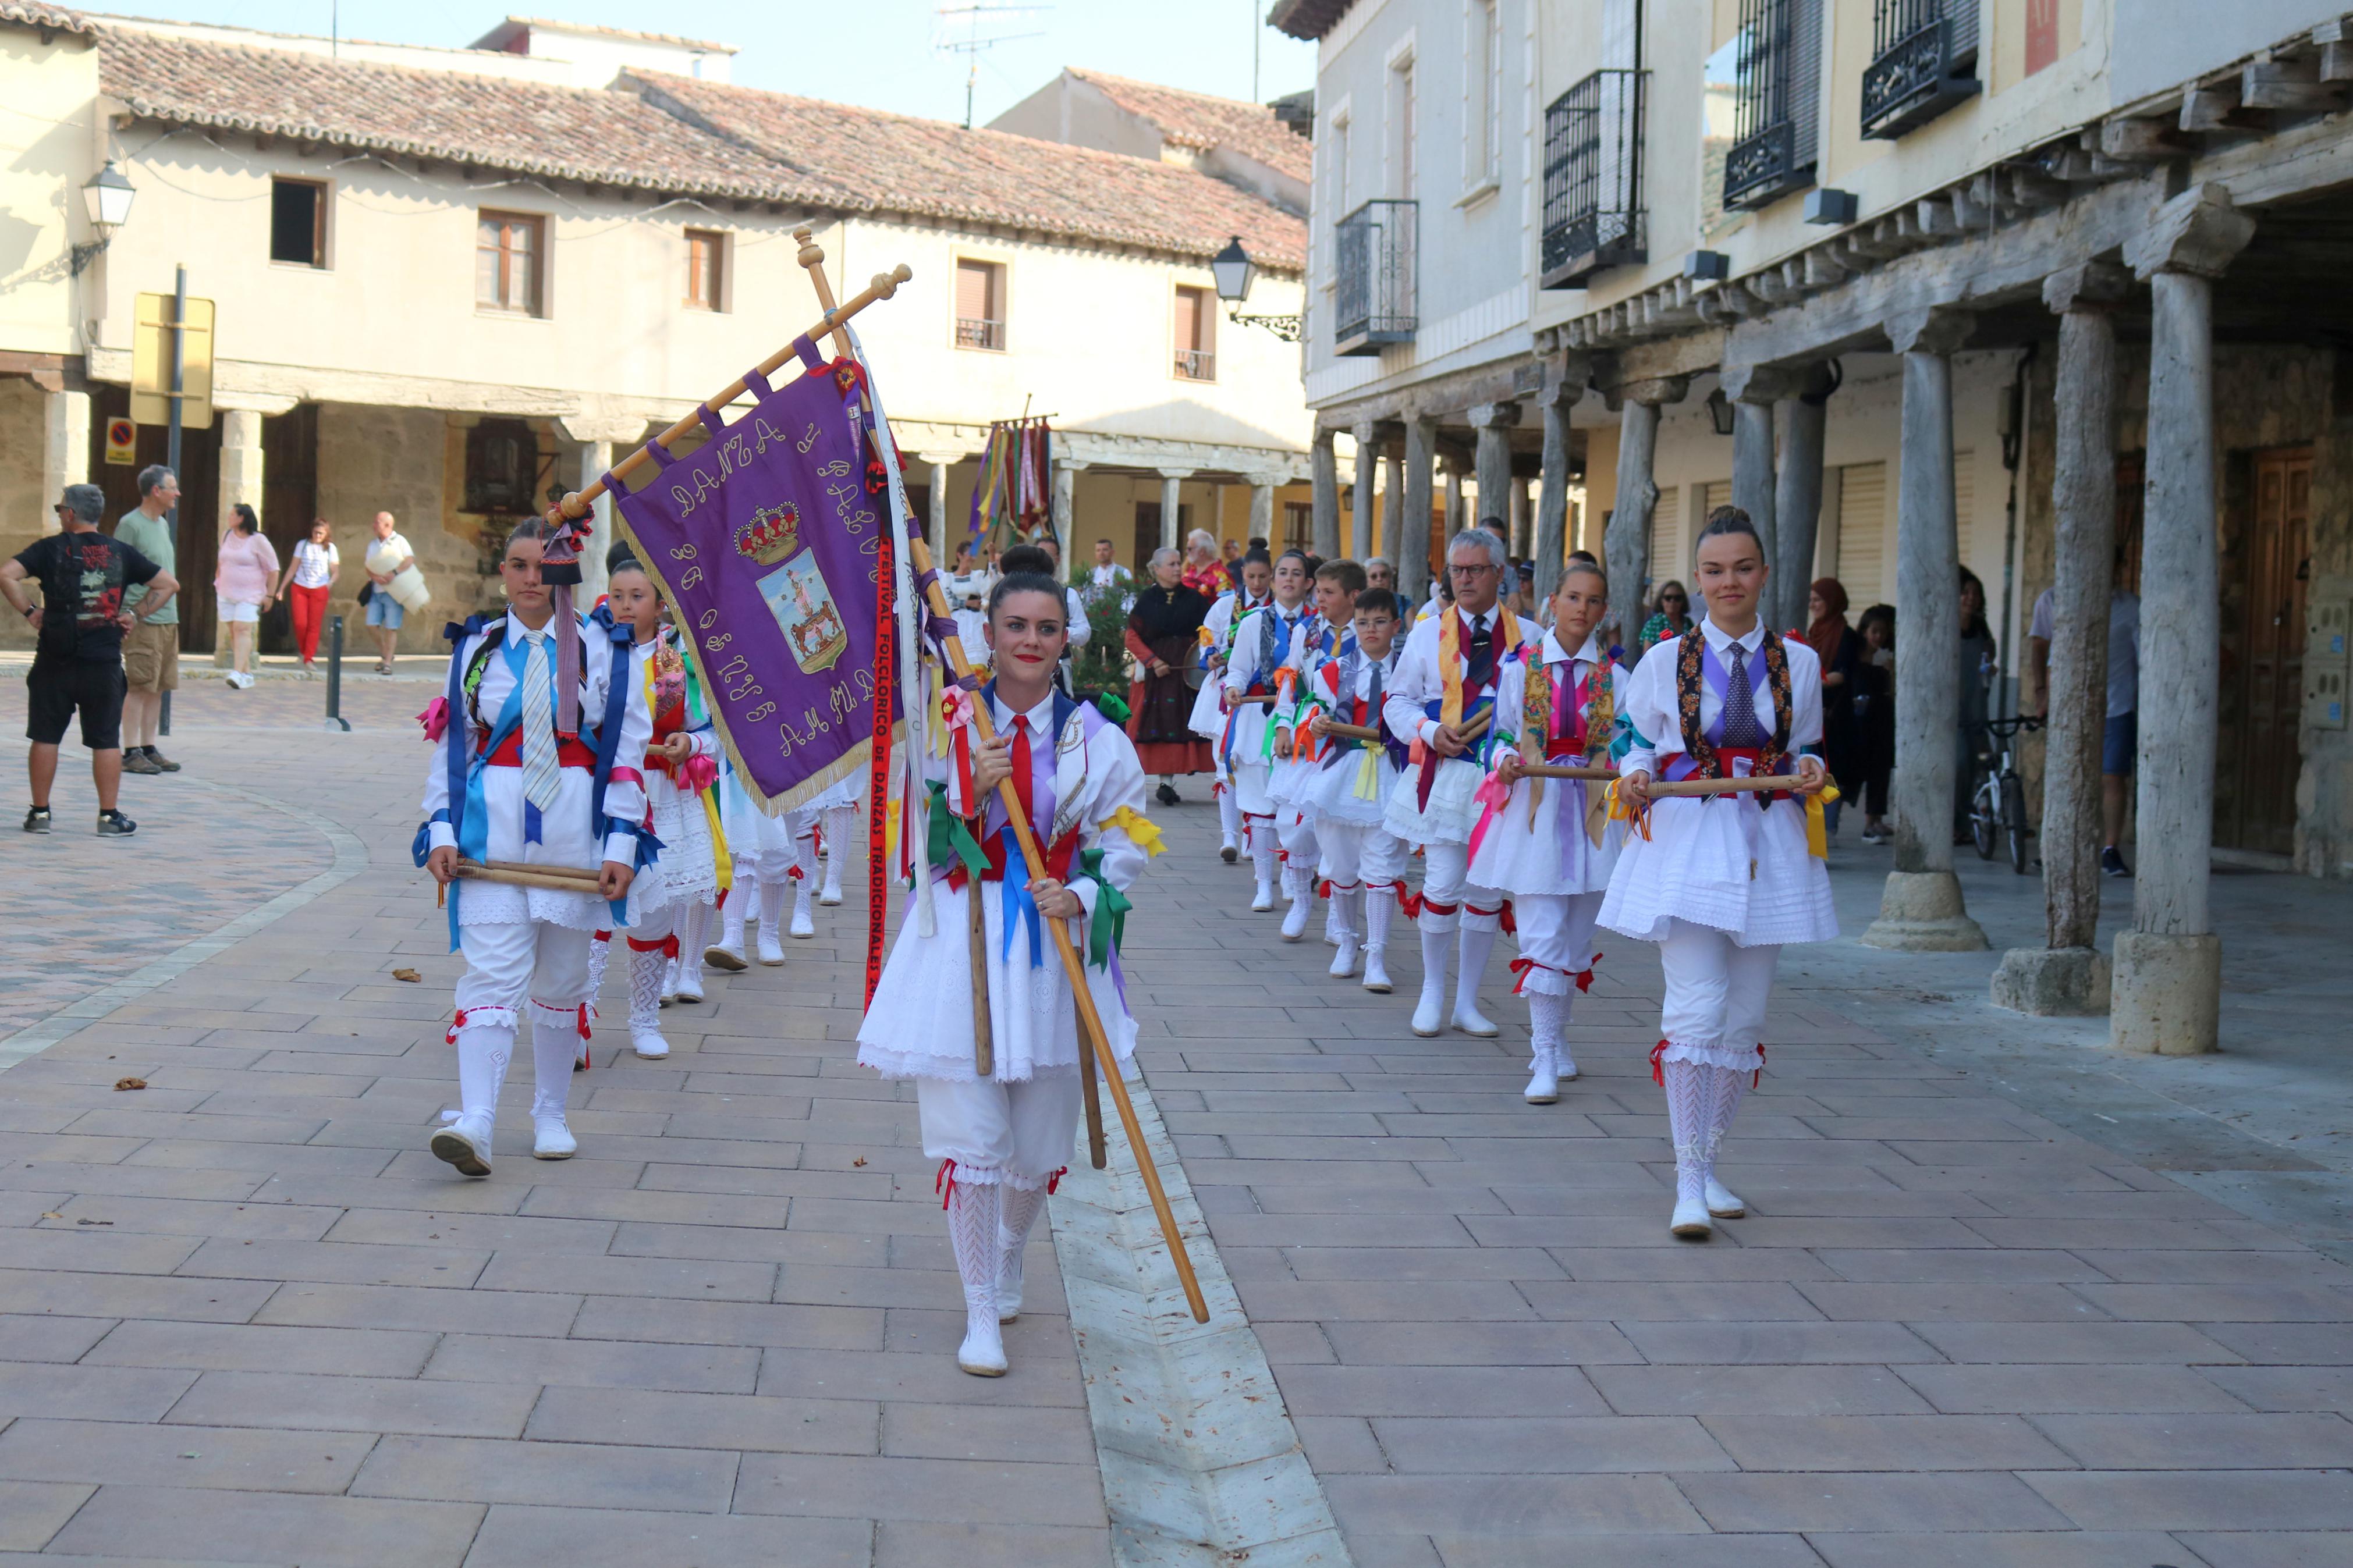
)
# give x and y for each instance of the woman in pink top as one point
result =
(245, 583)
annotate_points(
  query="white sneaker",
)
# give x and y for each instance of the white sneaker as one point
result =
(648, 1044)
(1344, 963)
(1690, 1220)
(1294, 922)
(690, 981)
(465, 1143)
(803, 927)
(772, 951)
(1724, 1203)
(1265, 899)
(983, 1351)
(1544, 1085)
(1471, 1021)
(722, 956)
(1376, 973)
(552, 1139)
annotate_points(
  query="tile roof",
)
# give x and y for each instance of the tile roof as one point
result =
(573, 133)
(1198, 121)
(929, 168)
(56, 18)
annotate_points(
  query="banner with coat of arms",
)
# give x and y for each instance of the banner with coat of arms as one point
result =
(767, 541)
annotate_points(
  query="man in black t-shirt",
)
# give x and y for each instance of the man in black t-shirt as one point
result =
(78, 665)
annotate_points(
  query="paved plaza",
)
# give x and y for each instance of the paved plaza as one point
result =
(245, 1318)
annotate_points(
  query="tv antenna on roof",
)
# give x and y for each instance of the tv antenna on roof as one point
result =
(970, 29)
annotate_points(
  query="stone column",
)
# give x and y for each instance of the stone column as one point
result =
(1626, 547)
(1552, 503)
(1515, 518)
(1453, 500)
(1261, 513)
(1921, 911)
(1493, 422)
(2069, 973)
(1754, 390)
(241, 480)
(1392, 499)
(1362, 502)
(2168, 967)
(1171, 500)
(65, 450)
(1410, 539)
(1065, 482)
(935, 527)
(1323, 458)
(1798, 494)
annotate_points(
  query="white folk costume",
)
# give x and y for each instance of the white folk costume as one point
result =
(670, 900)
(1447, 675)
(1261, 642)
(1003, 1140)
(521, 774)
(1313, 643)
(1549, 844)
(1720, 883)
(1363, 863)
(832, 816)
(774, 857)
(1210, 712)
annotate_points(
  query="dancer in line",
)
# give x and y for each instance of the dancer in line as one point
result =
(538, 766)
(1262, 643)
(1548, 843)
(1325, 634)
(1208, 706)
(1004, 1136)
(775, 860)
(1363, 864)
(1721, 883)
(1444, 698)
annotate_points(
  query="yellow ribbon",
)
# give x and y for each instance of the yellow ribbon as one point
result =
(1818, 834)
(1139, 828)
(1368, 773)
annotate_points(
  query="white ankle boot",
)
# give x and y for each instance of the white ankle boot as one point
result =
(1723, 1202)
(1430, 1013)
(803, 926)
(1302, 899)
(1550, 1056)
(466, 1144)
(1475, 946)
(551, 1140)
(1543, 1082)
(1378, 908)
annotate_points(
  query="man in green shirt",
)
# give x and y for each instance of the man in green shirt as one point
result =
(151, 654)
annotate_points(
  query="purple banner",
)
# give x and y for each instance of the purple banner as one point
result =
(766, 541)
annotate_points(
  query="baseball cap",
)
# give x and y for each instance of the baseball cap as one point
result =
(87, 501)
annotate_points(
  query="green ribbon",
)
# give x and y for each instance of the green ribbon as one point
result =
(1110, 707)
(950, 840)
(1108, 931)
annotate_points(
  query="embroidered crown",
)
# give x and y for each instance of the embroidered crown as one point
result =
(773, 534)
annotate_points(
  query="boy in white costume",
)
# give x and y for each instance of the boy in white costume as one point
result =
(521, 774)
(1002, 1140)
(775, 858)
(1443, 699)
(1548, 843)
(1262, 643)
(1324, 636)
(1363, 863)
(1209, 720)
(1720, 883)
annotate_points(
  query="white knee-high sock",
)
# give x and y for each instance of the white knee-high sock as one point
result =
(600, 953)
(772, 904)
(1022, 1206)
(554, 1045)
(1380, 907)
(1545, 1012)
(976, 1210)
(645, 991)
(1730, 1087)
(1689, 1092)
(1263, 857)
(840, 831)
(483, 1052)
(693, 925)
(1230, 814)
(741, 895)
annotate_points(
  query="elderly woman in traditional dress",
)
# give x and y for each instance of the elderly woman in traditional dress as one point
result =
(1163, 634)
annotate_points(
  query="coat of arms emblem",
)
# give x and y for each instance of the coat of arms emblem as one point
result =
(795, 590)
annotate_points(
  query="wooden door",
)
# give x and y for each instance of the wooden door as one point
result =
(290, 504)
(200, 525)
(2264, 561)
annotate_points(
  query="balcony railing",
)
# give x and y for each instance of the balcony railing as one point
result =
(1775, 131)
(980, 332)
(1593, 214)
(1375, 300)
(1923, 61)
(1197, 364)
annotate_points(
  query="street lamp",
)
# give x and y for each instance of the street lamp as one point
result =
(106, 200)
(1235, 272)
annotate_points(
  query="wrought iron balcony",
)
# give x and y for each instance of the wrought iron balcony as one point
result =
(1593, 213)
(1777, 102)
(1924, 61)
(1375, 298)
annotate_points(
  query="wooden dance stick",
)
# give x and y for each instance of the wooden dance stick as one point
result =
(1753, 783)
(537, 870)
(554, 878)
(1091, 1022)
(1564, 771)
(984, 1044)
(1350, 731)
(885, 284)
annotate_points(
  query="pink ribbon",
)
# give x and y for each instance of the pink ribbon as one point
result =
(699, 773)
(1495, 794)
(436, 719)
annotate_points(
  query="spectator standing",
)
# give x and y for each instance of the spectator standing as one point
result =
(1876, 707)
(1841, 650)
(387, 557)
(245, 585)
(2121, 741)
(307, 584)
(1976, 656)
(1204, 571)
(1108, 576)
(1670, 617)
(1162, 635)
(151, 654)
(1380, 574)
(77, 663)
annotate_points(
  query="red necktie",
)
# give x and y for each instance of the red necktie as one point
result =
(1022, 782)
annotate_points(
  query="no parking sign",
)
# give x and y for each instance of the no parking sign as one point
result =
(121, 442)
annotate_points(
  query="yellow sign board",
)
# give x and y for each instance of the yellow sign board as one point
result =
(121, 442)
(151, 364)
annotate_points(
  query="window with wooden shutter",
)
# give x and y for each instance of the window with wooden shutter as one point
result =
(1862, 535)
(1666, 538)
(706, 253)
(298, 221)
(510, 263)
(980, 304)
(1195, 333)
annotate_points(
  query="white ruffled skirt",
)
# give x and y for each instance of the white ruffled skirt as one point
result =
(1722, 862)
(1452, 813)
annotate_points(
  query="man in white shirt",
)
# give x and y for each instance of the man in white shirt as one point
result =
(1107, 573)
(2122, 736)
(391, 552)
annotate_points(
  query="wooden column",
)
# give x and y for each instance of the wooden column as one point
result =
(1626, 547)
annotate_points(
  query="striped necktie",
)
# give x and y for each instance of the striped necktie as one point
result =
(540, 774)
(1740, 727)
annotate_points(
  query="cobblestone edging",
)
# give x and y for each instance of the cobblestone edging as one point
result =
(1201, 1463)
(351, 859)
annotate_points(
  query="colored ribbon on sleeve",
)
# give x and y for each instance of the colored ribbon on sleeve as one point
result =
(435, 718)
(1108, 929)
(1140, 829)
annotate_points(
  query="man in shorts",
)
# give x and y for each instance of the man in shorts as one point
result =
(151, 654)
(384, 612)
(77, 665)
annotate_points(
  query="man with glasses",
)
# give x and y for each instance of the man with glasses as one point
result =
(1444, 697)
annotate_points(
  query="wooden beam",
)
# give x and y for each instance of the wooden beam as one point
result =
(2290, 85)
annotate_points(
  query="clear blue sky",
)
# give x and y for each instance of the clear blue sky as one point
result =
(877, 53)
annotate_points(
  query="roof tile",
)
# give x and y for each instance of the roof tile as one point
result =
(1198, 121)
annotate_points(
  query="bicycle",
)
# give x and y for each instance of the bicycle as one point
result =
(1998, 807)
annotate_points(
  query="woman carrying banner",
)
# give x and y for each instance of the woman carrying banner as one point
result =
(1720, 882)
(1002, 1136)
(526, 771)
